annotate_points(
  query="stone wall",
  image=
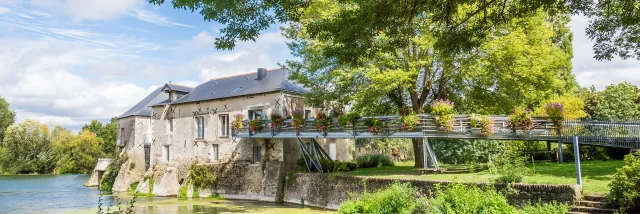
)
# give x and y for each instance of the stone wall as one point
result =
(328, 191)
(244, 180)
(134, 130)
(101, 167)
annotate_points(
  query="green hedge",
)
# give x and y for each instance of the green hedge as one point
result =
(377, 160)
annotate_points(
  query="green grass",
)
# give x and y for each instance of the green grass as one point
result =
(596, 175)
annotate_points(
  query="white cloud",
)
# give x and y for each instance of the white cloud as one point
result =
(590, 71)
(152, 17)
(4, 10)
(36, 78)
(202, 41)
(268, 49)
(80, 10)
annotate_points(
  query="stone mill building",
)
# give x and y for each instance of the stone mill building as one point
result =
(178, 126)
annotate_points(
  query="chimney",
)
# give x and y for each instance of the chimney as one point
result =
(262, 73)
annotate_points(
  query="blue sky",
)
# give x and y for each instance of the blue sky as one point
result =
(66, 62)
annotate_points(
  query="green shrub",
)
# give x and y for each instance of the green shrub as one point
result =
(460, 198)
(377, 160)
(510, 167)
(545, 208)
(202, 176)
(625, 185)
(329, 166)
(397, 198)
(337, 166)
(183, 191)
(133, 187)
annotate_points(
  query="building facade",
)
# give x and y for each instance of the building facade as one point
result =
(176, 127)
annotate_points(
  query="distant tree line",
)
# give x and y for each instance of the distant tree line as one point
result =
(31, 147)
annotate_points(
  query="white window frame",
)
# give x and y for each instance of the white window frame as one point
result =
(252, 114)
(223, 121)
(200, 127)
(215, 152)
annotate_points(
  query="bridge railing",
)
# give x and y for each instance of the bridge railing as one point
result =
(392, 128)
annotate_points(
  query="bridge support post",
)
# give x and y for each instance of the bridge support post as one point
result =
(576, 154)
(432, 154)
(425, 156)
(549, 151)
(560, 158)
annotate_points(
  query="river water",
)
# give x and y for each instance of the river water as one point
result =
(65, 194)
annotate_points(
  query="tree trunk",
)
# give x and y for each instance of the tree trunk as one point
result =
(418, 151)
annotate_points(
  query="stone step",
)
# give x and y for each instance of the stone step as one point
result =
(596, 198)
(592, 204)
(592, 210)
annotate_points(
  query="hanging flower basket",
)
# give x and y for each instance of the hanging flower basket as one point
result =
(236, 126)
(481, 124)
(277, 121)
(256, 126)
(556, 113)
(409, 122)
(521, 120)
(322, 123)
(442, 110)
(298, 120)
(374, 125)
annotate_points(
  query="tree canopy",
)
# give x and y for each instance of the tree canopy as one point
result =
(523, 63)
(26, 148)
(456, 25)
(7, 117)
(617, 102)
(106, 132)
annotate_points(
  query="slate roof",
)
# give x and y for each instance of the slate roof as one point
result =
(276, 80)
(143, 108)
(178, 87)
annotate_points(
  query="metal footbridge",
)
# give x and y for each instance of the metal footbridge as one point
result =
(579, 132)
(598, 133)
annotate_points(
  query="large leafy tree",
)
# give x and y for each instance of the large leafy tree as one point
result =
(523, 63)
(106, 132)
(456, 25)
(616, 102)
(7, 117)
(26, 148)
(80, 154)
